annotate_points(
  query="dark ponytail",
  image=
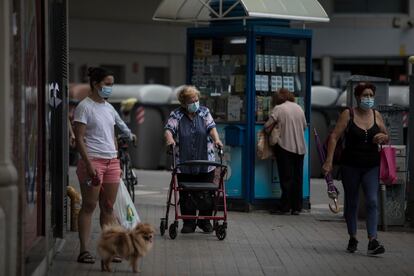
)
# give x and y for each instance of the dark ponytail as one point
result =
(97, 74)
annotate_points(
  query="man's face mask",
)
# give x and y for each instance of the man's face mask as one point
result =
(193, 107)
(105, 91)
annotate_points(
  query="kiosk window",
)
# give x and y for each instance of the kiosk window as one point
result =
(219, 72)
(280, 63)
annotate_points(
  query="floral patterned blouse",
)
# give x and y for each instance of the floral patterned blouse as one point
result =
(192, 138)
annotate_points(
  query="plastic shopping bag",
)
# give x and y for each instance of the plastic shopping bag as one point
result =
(124, 208)
(388, 169)
(264, 151)
(274, 136)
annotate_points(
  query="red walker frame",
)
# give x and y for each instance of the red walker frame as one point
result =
(220, 194)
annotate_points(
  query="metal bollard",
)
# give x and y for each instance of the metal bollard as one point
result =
(75, 206)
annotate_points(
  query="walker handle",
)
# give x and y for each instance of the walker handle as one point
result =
(171, 150)
(220, 151)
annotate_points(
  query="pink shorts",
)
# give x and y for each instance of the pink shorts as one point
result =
(108, 170)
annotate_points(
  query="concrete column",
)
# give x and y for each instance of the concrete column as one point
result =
(326, 70)
(8, 175)
(411, 8)
(2, 243)
(177, 69)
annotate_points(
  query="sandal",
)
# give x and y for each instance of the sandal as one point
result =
(117, 259)
(86, 258)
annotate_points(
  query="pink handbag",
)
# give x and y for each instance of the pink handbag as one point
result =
(388, 169)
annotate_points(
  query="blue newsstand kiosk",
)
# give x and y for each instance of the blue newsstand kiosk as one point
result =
(237, 65)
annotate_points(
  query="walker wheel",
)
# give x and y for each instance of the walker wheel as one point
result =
(221, 232)
(163, 226)
(173, 231)
(215, 224)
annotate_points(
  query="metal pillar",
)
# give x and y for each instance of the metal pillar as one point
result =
(8, 175)
(410, 144)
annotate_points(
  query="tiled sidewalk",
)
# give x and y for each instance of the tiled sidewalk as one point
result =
(257, 243)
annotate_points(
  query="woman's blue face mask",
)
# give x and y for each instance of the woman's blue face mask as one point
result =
(193, 107)
(105, 91)
(367, 103)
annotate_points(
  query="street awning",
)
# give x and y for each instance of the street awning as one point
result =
(210, 10)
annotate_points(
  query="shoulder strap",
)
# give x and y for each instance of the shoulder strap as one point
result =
(375, 121)
(351, 118)
(351, 113)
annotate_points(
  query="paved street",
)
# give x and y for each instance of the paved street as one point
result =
(257, 243)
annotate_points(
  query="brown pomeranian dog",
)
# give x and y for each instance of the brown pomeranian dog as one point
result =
(129, 244)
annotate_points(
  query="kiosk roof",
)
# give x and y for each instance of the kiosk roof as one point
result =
(206, 10)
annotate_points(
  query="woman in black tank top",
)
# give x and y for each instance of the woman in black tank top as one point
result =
(361, 151)
(364, 131)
